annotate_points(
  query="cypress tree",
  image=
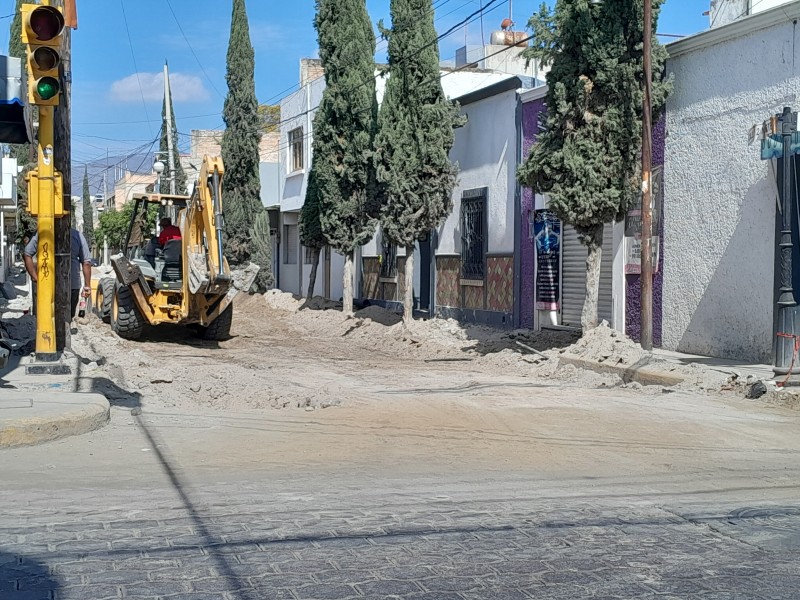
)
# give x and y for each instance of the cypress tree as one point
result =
(163, 148)
(415, 134)
(310, 227)
(344, 131)
(587, 158)
(88, 213)
(240, 146)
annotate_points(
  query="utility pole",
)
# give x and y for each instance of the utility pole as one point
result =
(168, 126)
(647, 188)
(63, 163)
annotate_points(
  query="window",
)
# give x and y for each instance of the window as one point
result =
(388, 258)
(473, 233)
(290, 245)
(296, 149)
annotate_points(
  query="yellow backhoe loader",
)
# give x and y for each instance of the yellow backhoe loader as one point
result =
(185, 282)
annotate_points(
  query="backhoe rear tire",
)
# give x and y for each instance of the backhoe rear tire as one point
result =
(104, 299)
(126, 321)
(220, 329)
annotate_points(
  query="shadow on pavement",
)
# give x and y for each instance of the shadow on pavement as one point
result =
(24, 578)
(222, 561)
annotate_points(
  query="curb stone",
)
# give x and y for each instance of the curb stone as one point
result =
(35, 418)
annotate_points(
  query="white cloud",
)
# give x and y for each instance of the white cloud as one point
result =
(185, 88)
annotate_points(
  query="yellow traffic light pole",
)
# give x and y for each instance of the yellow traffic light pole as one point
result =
(46, 253)
(42, 30)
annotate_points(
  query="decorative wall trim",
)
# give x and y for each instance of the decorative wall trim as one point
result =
(489, 318)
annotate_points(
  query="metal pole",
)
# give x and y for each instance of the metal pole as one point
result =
(647, 191)
(46, 350)
(785, 356)
(168, 125)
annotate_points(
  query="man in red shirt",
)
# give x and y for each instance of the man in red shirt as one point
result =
(168, 232)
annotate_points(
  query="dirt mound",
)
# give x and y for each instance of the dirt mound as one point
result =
(379, 315)
(608, 346)
(320, 303)
(285, 301)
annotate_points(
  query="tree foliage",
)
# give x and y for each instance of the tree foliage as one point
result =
(180, 175)
(311, 234)
(269, 116)
(587, 158)
(88, 212)
(345, 125)
(240, 143)
(262, 251)
(415, 129)
(113, 226)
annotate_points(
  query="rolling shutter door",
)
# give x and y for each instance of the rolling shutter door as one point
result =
(573, 274)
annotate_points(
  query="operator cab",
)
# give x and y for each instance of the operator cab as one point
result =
(160, 264)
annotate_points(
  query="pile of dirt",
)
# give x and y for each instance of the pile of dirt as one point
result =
(284, 301)
(608, 347)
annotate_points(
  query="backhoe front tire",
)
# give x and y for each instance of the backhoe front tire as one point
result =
(104, 299)
(220, 329)
(126, 321)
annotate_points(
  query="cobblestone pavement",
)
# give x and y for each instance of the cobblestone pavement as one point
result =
(246, 541)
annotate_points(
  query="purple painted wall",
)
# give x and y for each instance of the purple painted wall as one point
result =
(633, 283)
(530, 129)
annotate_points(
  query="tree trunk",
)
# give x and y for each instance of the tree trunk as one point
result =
(312, 279)
(594, 243)
(347, 293)
(408, 295)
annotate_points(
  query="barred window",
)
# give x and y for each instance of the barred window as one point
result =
(296, 149)
(473, 233)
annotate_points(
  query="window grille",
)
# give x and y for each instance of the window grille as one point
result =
(473, 233)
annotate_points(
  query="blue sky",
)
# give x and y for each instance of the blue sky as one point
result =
(109, 111)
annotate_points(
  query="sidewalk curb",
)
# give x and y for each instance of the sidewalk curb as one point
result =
(53, 416)
(643, 372)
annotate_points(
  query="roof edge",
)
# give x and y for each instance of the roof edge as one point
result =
(740, 27)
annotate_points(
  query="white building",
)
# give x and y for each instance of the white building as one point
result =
(717, 293)
(8, 215)
(297, 115)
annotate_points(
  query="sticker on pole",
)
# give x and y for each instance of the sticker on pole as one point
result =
(48, 155)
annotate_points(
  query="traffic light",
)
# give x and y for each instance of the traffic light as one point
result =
(42, 33)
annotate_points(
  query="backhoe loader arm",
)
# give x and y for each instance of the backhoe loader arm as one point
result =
(205, 225)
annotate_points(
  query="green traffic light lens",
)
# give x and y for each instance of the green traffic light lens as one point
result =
(47, 88)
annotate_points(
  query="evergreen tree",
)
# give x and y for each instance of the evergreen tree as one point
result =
(415, 134)
(344, 131)
(587, 158)
(163, 148)
(310, 227)
(261, 249)
(88, 213)
(240, 145)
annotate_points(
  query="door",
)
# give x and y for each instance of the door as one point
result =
(573, 277)
(425, 274)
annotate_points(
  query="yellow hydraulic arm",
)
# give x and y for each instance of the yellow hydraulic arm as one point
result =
(209, 270)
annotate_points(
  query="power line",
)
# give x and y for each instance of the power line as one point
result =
(186, 39)
(135, 66)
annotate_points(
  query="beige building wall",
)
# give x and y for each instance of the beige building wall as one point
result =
(130, 185)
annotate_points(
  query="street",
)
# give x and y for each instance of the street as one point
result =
(419, 480)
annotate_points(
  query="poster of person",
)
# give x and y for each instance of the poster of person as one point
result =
(633, 229)
(547, 239)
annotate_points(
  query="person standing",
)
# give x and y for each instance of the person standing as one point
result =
(80, 261)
